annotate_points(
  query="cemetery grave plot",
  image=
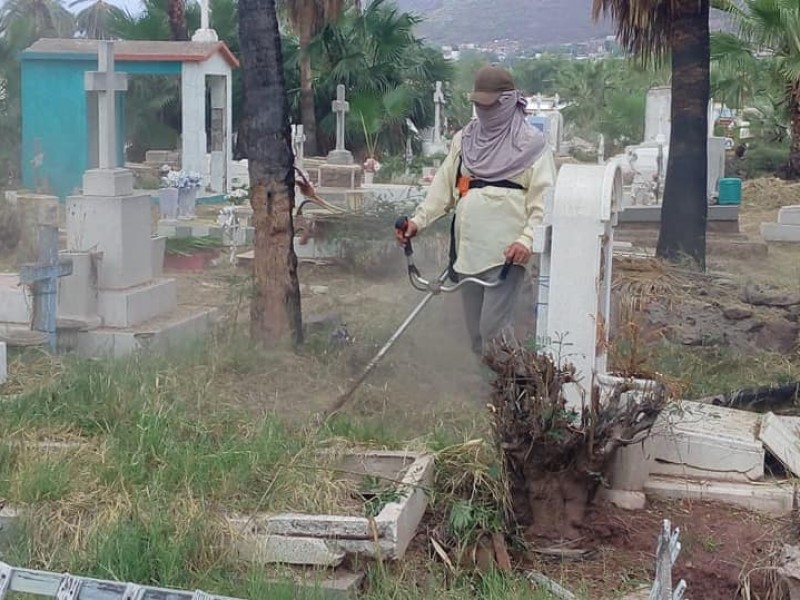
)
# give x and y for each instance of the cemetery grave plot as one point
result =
(721, 543)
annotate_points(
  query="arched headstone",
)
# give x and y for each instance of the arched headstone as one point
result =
(586, 202)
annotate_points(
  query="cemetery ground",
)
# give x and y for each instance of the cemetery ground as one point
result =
(126, 469)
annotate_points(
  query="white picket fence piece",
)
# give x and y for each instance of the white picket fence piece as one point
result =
(70, 587)
(667, 551)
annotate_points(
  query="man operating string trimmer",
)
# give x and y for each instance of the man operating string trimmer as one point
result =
(494, 177)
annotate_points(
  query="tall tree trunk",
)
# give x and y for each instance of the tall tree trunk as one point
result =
(176, 10)
(685, 207)
(794, 120)
(307, 110)
(275, 307)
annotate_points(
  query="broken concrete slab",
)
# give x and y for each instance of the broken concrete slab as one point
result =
(268, 549)
(624, 499)
(789, 215)
(697, 440)
(781, 436)
(778, 232)
(766, 497)
(386, 536)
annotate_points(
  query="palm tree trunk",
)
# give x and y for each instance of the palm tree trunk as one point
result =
(685, 207)
(176, 12)
(794, 120)
(307, 109)
(275, 307)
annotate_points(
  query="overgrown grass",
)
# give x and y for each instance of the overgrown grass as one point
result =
(714, 370)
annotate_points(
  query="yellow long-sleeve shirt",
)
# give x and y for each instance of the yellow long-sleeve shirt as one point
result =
(487, 219)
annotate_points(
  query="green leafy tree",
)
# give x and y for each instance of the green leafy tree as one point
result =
(97, 20)
(389, 72)
(308, 18)
(768, 41)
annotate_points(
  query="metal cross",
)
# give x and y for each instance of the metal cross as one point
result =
(106, 83)
(341, 107)
(43, 278)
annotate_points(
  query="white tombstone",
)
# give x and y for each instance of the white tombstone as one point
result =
(340, 106)
(601, 149)
(3, 363)
(114, 224)
(657, 122)
(298, 145)
(436, 143)
(578, 266)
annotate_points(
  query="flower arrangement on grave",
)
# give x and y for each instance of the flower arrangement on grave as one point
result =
(238, 195)
(181, 180)
(371, 165)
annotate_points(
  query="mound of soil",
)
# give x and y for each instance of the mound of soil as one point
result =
(721, 547)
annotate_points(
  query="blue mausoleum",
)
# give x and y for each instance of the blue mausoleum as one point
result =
(59, 140)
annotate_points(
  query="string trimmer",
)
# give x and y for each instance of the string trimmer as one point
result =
(431, 289)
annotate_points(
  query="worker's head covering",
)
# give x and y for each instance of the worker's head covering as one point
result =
(500, 143)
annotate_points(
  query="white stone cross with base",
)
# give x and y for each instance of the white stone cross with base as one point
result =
(205, 33)
(438, 100)
(108, 179)
(573, 307)
(340, 107)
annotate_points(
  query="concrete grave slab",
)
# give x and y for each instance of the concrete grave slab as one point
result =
(387, 535)
(767, 497)
(693, 439)
(3, 363)
(779, 232)
(16, 303)
(789, 215)
(781, 436)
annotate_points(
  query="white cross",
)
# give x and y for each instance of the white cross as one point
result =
(204, 14)
(106, 83)
(341, 107)
(438, 100)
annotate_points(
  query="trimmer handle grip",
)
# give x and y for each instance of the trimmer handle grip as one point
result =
(504, 271)
(401, 224)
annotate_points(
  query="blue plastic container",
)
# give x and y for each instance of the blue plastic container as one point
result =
(730, 191)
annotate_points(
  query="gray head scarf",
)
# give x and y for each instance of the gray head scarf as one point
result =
(500, 143)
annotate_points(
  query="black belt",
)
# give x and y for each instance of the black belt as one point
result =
(476, 184)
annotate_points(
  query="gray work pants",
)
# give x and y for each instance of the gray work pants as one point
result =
(489, 312)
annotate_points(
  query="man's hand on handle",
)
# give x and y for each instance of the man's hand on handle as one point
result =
(406, 233)
(517, 254)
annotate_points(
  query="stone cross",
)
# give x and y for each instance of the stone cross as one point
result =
(205, 33)
(341, 107)
(43, 279)
(203, 14)
(438, 100)
(105, 82)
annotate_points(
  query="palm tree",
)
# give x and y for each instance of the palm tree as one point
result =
(42, 18)
(769, 31)
(97, 20)
(389, 73)
(176, 11)
(275, 307)
(651, 29)
(308, 19)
